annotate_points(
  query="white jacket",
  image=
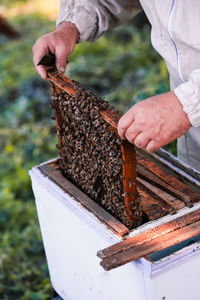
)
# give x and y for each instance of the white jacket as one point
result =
(175, 35)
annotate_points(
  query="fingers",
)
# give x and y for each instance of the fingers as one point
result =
(132, 132)
(125, 121)
(152, 147)
(38, 52)
(142, 140)
(61, 58)
(41, 70)
(41, 48)
(128, 129)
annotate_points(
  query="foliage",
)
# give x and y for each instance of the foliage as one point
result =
(121, 66)
(11, 2)
(23, 270)
(26, 139)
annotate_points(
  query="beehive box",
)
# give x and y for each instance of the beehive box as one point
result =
(74, 228)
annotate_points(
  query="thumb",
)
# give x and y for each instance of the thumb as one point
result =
(61, 58)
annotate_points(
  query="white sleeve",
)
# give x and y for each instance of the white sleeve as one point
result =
(93, 17)
(188, 94)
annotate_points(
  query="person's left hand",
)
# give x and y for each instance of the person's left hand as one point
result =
(154, 122)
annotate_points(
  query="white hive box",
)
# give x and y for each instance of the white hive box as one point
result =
(73, 232)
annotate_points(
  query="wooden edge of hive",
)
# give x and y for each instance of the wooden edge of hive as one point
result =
(151, 241)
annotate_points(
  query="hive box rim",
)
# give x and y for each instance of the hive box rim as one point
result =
(120, 229)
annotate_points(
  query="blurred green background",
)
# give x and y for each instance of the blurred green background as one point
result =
(121, 66)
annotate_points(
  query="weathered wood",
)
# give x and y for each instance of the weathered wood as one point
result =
(58, 118)
(151, 205)
(131, 198)
(129, 180)
(158, 244)
(111, 118)
(150, 241)
(151, 234)
(169, 179)
(61, 81)
(52, 172)
(157, 199)
(181, 170)
(161, 184)
(173, 203)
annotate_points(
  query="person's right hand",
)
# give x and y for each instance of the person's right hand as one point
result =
(60, 42)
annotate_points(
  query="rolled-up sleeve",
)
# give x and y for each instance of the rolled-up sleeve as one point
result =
(188, 94)
(93, 17)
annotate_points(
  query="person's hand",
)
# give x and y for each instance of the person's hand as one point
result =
(60, 42)
(154, 122)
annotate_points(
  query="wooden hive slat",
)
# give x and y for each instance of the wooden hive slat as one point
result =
(191, 196)
(151, 241)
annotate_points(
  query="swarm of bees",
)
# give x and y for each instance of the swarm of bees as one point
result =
(90, 150)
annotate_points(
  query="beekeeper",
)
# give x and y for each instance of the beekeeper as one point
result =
(175, 35)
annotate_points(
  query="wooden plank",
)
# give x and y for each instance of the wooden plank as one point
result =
(150, 247)
(161, 184)
(163, 155)
(111, 118)
(131, 199)
(156, 201)
(150, 235)
(173, 203)
(151, 205)
(106, 218)
(61, 81)
(168, 178)
(59, 121)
